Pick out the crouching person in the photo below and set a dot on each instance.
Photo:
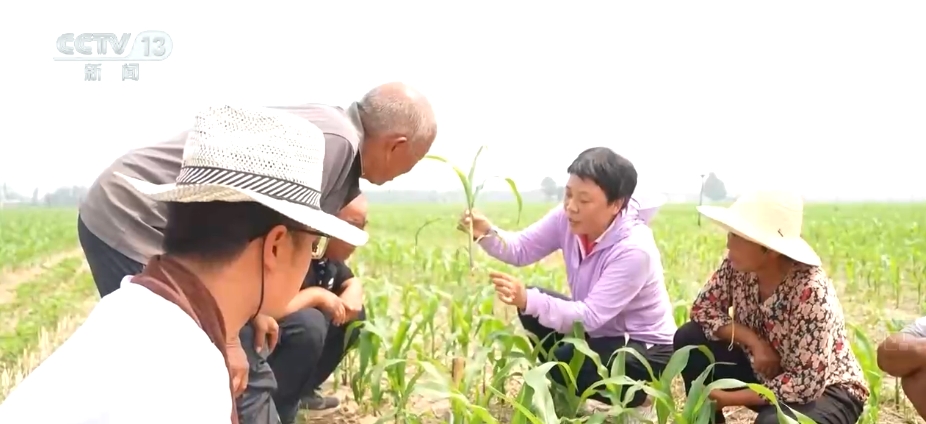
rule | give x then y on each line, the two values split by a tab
154	350
314	329
787	329
903	355
613	268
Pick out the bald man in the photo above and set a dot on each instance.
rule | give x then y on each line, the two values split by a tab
378	138
313	333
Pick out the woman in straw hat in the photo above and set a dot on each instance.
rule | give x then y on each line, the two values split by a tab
772	312
242	217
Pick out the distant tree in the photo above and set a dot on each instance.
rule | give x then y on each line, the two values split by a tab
549	188
65	196
35	197
714	188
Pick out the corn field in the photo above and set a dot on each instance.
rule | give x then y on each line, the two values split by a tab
438	347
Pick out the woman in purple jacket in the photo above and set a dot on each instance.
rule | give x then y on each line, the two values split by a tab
613	268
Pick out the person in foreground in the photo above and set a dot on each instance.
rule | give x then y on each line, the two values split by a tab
315	327
613	268
903	355
241	219
387	132
787	329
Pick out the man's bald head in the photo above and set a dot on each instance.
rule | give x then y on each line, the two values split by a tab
398	130
396	109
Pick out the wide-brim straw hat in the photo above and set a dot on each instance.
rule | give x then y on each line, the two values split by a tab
770	218
238	154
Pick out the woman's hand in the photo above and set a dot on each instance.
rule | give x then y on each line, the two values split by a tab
765	359
481	224
509	289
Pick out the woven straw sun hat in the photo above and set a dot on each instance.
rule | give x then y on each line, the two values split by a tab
238	154
770	218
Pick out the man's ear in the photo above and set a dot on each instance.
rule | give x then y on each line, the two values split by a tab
272	242
398	142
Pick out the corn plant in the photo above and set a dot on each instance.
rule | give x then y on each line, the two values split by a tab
541	401
471	190
866	352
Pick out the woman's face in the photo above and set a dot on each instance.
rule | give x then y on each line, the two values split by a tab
587	207
746	256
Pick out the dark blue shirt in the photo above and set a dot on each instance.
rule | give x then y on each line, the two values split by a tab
327	274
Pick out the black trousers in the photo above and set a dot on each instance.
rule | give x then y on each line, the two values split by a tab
107	265
309	350
836	406
657	356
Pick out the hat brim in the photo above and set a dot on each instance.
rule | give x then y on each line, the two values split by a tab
794	248
310	217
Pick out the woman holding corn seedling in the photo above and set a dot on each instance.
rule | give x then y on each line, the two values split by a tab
903	355
241	219
613	268
317	321
772	312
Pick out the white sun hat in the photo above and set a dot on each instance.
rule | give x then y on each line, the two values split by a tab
239	154
647	204
771	218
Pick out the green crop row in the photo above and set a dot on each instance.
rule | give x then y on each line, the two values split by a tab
30	234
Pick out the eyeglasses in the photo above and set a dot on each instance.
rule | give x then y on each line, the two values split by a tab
309	231
320	248
321	245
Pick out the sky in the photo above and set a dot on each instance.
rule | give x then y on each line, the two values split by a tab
827	98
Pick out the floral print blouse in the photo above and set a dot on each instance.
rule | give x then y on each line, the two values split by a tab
802	320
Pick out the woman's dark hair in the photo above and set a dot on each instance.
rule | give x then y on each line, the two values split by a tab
611	172
217	232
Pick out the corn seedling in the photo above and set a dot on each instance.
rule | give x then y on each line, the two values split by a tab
471	190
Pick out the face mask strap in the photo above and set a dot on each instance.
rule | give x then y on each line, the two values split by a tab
260	303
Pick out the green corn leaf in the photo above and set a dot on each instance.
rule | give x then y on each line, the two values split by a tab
523	414
514	190
772	399
422	227
582	346
618	364
677	363
698	395
467	187
472	168
542	401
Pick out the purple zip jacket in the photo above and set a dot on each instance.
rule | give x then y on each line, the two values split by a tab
618	289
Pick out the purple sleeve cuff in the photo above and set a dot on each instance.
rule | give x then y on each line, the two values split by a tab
534	297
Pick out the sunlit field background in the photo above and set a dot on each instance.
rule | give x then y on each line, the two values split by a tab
437	344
